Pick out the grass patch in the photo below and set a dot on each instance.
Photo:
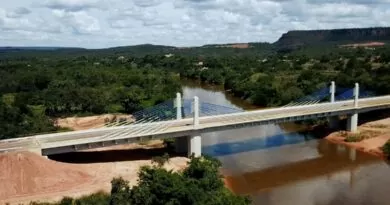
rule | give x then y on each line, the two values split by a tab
169	143
386	149
379	126
356	137
161	160
353	138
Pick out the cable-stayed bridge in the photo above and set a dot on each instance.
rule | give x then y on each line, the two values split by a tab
186	120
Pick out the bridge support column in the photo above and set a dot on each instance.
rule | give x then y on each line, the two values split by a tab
195	141
352	121
195	146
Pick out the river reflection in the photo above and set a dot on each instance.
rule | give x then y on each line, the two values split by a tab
277	165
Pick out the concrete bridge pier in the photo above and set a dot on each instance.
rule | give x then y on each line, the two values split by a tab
352	120
195	142
195	145
188	144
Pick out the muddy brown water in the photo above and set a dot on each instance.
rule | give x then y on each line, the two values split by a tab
281	165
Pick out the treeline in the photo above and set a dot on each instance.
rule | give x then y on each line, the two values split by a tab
198	184
35	90
279	79
44	87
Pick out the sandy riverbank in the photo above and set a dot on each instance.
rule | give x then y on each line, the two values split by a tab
89	122
29	177
375	134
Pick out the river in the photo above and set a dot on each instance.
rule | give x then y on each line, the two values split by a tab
278	165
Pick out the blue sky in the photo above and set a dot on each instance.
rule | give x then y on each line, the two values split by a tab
108	23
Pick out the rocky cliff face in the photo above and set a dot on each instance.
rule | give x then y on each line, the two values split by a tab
295	39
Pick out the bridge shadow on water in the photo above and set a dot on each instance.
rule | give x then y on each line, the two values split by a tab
272	141
114	155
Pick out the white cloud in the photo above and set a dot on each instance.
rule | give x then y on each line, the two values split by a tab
78	22
105	23
18	12
72	5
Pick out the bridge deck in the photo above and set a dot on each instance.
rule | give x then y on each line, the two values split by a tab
176	128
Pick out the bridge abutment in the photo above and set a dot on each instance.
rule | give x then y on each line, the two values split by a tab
38	151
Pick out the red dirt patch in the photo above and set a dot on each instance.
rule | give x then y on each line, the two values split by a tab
82	123
26	173
237	45
369	44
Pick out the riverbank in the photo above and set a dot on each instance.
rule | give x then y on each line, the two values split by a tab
370	137
29	177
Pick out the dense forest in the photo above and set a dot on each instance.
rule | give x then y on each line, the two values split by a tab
35	90
200	183
38	86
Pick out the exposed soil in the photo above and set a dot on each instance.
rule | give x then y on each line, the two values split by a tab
369	44
29	177
375	135
237	45
26	173
82	123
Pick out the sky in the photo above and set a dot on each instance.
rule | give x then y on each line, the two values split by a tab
109	23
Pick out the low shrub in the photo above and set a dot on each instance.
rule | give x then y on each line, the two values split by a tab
353	138
169	143
386	149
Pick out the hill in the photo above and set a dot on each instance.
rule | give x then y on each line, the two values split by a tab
290	41
299	38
